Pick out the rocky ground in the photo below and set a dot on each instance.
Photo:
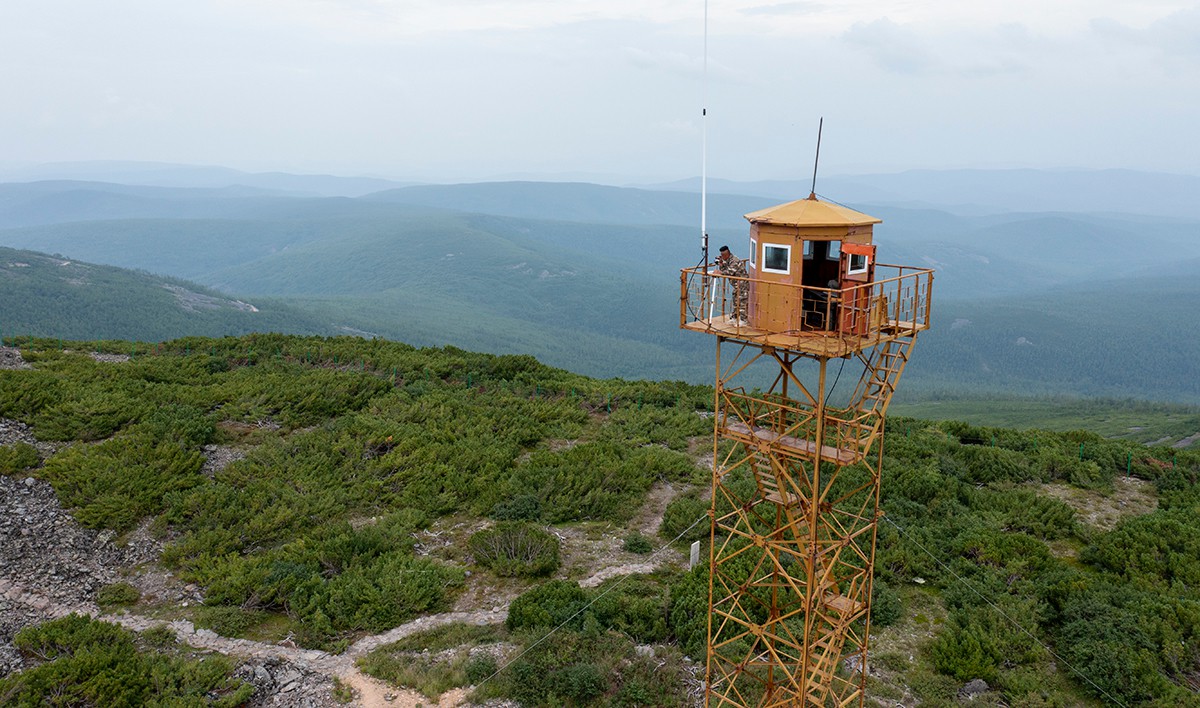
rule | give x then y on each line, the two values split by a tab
50	566
10	358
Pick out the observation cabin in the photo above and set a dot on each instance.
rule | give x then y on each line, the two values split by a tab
812	285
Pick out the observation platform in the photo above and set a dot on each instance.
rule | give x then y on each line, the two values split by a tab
821	322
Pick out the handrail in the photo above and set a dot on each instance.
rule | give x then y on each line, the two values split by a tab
899	302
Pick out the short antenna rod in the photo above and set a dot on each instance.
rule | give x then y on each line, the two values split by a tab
813	192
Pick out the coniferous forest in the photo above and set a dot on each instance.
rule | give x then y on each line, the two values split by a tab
375	483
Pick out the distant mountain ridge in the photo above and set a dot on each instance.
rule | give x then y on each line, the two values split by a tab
161	174
586	277
991	191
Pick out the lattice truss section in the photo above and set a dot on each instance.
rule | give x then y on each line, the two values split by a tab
795	502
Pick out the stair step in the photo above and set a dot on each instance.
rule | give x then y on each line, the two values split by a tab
841	604
776	497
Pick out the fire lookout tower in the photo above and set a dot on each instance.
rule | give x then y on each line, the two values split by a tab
796	468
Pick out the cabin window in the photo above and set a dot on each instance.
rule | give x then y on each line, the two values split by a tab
776	258
835	251
858	264
808	250
753	253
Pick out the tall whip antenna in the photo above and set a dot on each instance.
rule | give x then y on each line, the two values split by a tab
813	192
704	147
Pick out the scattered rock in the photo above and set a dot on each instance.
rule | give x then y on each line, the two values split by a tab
281	683
218	457
14	431
973	688
10	358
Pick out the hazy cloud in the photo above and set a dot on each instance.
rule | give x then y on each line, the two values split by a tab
892	46
1176	36
786	8
470	88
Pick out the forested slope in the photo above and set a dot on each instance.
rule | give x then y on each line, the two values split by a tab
52	296
586	276
373	482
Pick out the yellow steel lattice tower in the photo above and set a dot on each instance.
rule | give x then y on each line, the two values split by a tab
796	469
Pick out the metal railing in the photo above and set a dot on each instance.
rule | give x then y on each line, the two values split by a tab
898	300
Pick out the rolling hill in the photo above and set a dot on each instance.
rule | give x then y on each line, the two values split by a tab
48	296
586	276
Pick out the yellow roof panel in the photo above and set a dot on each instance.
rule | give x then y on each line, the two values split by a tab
810	212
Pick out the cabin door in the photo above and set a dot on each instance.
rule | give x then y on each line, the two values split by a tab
856	273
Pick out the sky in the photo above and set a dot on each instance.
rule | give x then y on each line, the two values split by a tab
448	90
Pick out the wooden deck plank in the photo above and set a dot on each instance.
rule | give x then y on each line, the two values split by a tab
842	456
818	343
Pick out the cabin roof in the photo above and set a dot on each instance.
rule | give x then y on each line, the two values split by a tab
810	212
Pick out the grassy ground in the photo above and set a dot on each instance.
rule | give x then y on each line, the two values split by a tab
1150	423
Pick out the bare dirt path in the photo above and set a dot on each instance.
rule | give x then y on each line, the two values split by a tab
51	567
370	692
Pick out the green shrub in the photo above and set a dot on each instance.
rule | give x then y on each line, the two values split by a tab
994	464
594	481
88	662
228	621
515	548
17	458
886	607
159	636
688	612
547	606
637	543
579	683
480	667
680	515
523	507
634	605
94	414
1036	514
961	653
187	425
117	595
117	482
24	394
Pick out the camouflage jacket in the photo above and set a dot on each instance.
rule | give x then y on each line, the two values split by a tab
734	266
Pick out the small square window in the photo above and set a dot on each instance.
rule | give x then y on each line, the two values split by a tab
858	264
835	251
776	259
808	250
753	253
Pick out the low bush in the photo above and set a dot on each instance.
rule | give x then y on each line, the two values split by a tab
637	543
228	621
117	595
523	507
681	517
547	606
116	483
515	548
886	607
17	458
80	661
480	667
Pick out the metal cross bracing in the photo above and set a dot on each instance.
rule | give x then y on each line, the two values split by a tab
795	504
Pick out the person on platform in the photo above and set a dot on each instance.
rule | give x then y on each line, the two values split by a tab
728	265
